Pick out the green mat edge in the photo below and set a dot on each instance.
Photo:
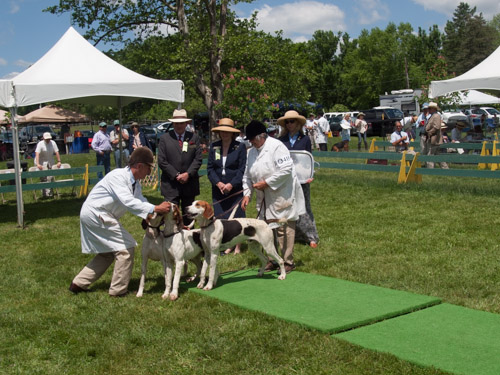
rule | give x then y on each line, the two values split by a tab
433	302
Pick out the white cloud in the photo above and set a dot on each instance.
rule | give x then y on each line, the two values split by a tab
10	75
300	19
370	11
487	7
14	7
22	63
3	62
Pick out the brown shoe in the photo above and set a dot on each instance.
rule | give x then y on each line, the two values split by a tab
271	266
76	289
120	295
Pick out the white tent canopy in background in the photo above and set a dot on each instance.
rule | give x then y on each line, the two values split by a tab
474	97
75	70
485	75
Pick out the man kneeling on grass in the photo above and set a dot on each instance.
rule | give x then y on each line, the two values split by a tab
101	232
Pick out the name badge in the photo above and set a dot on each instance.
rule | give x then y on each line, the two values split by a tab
185	147
217	154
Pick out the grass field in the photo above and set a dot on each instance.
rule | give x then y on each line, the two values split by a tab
437	238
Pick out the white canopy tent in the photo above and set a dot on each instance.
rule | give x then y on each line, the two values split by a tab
474	97
74	70
485	75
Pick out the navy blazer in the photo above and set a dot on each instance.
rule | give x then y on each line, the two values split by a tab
143	139
235	164
303	142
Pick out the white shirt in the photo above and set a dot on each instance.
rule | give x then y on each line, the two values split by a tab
396	136
46	151
109	200
361	125
322	127
114	135
283	199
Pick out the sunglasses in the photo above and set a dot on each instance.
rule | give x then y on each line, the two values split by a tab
289	121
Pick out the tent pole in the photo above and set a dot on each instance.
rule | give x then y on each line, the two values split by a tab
121	130
17	166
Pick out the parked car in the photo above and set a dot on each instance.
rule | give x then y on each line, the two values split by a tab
450	117
34	133
491	113
335	123
152	135
164	126
381	120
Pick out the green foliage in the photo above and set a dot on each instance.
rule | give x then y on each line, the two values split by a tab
439	72
245	97
468	40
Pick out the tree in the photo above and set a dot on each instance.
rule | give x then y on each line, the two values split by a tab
495	24
468	40
202	26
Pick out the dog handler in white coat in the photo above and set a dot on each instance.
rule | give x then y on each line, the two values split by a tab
101	231
270	171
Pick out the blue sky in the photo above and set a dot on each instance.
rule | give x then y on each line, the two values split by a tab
26	32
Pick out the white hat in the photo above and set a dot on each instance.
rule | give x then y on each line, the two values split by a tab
180	115
47	135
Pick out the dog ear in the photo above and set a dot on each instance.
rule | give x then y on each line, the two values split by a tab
177	215
144	224
209	211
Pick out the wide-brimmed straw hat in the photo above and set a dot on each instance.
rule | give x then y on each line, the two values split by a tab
291	115
360	114
461	124
443	125
433	105
180	115
226	125
343	125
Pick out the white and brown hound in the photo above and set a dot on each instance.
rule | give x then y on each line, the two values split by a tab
156	245
218	234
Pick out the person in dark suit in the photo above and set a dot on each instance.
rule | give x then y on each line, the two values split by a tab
179	158
226	165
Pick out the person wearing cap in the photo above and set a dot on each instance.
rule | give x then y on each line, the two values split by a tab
294	139
280	201
102	233
362	127
456	132
102	147
433	132
114	138
44	159
420	129
179	158
138	138
226	165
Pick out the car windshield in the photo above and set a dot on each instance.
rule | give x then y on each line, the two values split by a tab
43	129
394	113
148	130
493	111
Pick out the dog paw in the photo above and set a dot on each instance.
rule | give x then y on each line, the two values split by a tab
208	287
200	285
173	297
282	277
189	279
164	296
138	294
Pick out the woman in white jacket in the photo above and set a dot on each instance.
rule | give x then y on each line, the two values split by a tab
270	171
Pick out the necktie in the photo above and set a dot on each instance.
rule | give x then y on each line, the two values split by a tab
180	141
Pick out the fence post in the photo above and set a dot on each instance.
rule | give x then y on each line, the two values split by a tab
484	152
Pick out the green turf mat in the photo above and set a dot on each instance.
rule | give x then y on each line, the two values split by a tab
318	302
452	338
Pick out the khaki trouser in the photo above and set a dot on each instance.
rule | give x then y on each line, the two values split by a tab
124	262
286	239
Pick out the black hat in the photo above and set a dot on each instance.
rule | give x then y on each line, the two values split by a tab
254	129
141	155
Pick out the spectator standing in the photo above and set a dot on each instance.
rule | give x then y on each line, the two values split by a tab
311	129
226	166
137	138
322	129
102	147
179	158
409	125
345	134
101	231
433	133
270	171
362	128
294	139
421	121
114	138
44	157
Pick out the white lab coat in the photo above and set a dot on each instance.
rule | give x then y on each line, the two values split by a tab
283	199
109	200
322	127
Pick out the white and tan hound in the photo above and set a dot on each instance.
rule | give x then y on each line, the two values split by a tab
218	235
